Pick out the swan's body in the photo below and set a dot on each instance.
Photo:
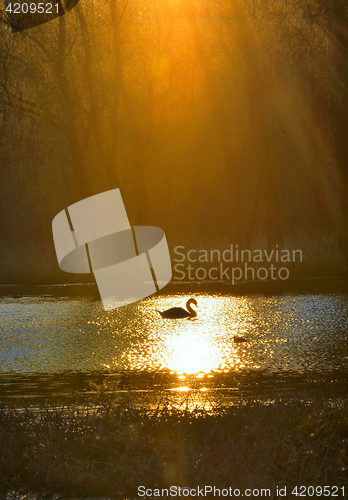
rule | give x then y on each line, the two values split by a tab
239	340
179	312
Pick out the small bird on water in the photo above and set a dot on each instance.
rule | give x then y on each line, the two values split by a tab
239	340
179	312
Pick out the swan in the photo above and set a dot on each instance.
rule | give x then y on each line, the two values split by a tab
179	312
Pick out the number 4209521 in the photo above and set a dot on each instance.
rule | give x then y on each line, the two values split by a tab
32	8
310	491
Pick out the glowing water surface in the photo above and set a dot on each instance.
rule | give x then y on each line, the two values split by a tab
286	333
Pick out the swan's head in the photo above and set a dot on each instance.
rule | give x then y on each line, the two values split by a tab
191	301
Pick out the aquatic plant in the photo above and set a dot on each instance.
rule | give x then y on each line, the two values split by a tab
112	449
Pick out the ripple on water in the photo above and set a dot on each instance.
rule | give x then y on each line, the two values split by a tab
286	333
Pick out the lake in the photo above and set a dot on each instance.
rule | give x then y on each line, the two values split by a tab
57	344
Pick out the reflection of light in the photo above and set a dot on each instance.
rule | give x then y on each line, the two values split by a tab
196	346
192	352
180	389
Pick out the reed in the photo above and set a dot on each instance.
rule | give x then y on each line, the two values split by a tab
111	449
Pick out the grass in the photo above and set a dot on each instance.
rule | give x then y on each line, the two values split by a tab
113	449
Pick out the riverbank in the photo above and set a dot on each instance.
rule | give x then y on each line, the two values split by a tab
111	450
310	285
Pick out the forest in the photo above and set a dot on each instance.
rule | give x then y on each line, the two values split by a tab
221	121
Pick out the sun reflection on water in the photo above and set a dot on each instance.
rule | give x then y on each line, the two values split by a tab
191	352
288	334
194	346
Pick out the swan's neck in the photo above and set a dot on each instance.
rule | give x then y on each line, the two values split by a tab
190	310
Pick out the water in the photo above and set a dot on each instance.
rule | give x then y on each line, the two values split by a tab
63	343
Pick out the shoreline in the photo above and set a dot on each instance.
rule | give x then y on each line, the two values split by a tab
112	451
147	389
310	285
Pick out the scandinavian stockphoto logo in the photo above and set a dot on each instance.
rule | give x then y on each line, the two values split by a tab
94	235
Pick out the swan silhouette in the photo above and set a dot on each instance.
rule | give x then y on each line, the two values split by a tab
179	312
